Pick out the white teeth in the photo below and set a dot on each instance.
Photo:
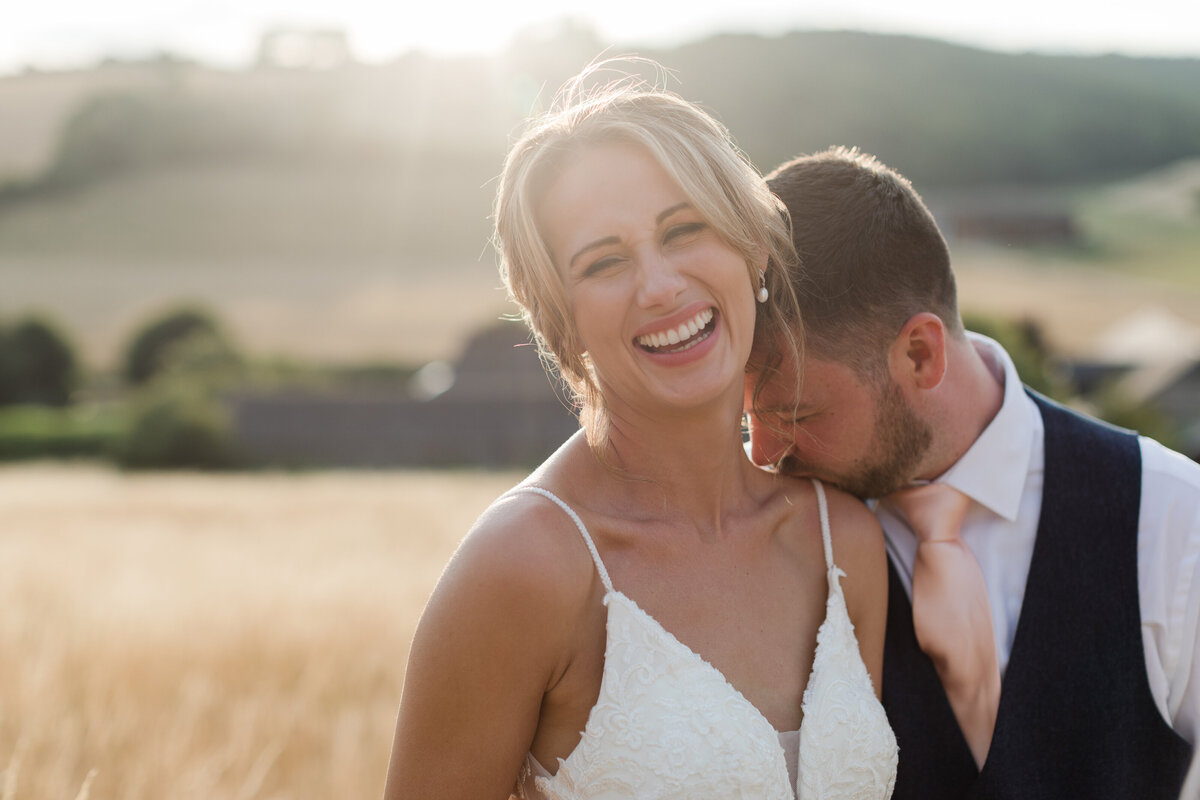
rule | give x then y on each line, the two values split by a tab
682	333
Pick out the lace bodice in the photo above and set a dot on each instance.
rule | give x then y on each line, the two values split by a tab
667	724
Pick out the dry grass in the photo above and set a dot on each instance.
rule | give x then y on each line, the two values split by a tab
358	313
313	263
346	313
213	636
361	262
1076	304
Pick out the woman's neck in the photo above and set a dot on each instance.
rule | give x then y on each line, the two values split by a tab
691	466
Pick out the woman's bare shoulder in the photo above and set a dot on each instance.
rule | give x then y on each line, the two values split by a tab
852	524
854	532
524	545
858	546
499	630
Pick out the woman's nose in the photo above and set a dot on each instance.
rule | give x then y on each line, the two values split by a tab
661	282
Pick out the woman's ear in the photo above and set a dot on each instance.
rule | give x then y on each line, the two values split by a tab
756	265
917	357
759	256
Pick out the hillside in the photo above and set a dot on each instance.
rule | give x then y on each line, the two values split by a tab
951	114
343	214
947	114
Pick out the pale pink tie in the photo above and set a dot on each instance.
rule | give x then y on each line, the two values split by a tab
951	614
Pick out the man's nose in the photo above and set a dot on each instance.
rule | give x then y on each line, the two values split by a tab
767	446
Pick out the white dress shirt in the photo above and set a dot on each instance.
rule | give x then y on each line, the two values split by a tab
1002	473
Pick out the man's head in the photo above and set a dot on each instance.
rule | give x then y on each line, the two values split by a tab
878	302
832	424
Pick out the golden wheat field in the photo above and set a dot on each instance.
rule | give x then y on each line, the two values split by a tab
213	636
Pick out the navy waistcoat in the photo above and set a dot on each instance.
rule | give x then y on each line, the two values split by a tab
1076	717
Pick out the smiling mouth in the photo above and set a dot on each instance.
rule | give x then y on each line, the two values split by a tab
682	337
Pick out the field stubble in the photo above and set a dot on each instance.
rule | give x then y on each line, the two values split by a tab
195	636
369	263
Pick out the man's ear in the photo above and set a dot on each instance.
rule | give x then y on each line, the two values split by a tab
917	357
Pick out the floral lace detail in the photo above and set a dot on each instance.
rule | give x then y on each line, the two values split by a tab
847	748
669	726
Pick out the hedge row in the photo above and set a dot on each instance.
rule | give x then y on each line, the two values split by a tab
49	432
173	427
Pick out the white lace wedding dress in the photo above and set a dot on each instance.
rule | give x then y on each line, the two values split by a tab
668	724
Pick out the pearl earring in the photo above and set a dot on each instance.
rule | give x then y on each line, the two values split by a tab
763	294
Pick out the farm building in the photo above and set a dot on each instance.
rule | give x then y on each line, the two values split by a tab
495	407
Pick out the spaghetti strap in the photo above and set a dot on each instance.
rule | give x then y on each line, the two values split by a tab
825	535
587	539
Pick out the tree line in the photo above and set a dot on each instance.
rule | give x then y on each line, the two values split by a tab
165	411
168	408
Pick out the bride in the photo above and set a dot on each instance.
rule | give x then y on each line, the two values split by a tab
648	615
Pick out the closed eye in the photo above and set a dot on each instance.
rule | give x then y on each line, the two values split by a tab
677	232
785	421
601	264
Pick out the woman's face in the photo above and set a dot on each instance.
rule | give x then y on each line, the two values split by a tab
661	303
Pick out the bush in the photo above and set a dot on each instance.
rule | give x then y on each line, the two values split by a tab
177	424
37	365
1027	347
1112	405
150	351
41	432
181	363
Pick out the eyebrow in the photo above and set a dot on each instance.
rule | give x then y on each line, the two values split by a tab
677	207
607	240
790	410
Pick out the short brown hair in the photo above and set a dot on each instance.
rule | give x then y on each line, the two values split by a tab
870	253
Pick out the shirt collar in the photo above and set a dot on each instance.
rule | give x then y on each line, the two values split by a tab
985	472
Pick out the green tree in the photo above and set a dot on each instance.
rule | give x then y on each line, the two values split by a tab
1026	346
37	364
179	364
177	423
150	351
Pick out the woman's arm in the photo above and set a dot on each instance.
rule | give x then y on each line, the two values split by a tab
493	637
858	549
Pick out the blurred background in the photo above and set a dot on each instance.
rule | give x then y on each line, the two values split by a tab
263	230
252	239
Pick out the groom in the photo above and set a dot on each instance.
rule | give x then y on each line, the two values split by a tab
1073	580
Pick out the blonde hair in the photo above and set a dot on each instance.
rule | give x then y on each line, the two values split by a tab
700	156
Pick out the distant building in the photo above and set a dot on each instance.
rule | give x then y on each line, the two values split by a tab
295	48
501	410
1004	215
1179	399
1153	359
